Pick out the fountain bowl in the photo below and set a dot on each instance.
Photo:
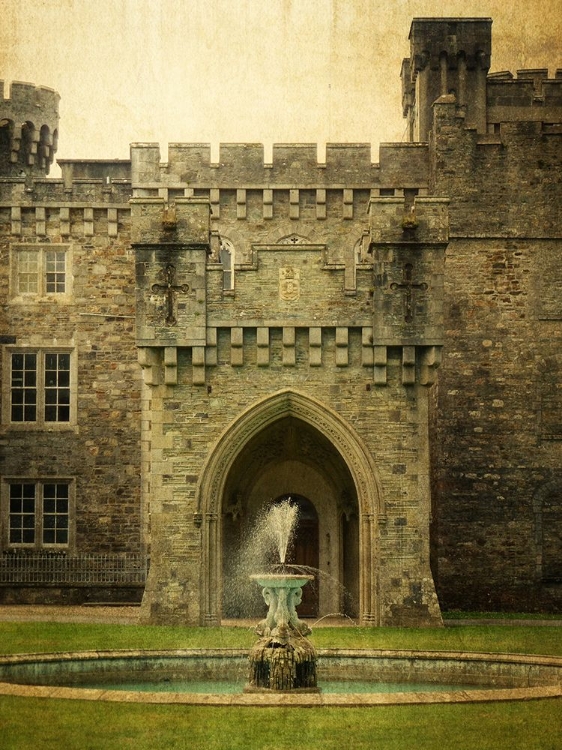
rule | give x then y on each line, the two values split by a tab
281	580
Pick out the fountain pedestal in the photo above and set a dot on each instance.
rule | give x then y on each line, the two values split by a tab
283	658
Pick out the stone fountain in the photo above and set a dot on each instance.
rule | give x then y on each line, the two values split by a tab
283	658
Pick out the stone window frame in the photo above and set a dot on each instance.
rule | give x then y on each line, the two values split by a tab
40	423
39	514
41	293
227	250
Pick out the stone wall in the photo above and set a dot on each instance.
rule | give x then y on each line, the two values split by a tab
99	450
344	299
497	434
315	344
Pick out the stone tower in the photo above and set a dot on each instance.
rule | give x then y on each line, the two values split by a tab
28	130
448	56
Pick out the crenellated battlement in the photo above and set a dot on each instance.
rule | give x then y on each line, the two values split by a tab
22	94
531	88
27	191
244	164
29	121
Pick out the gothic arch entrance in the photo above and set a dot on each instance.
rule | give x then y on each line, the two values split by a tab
290	444
289	458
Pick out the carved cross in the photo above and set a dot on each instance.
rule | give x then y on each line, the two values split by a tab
408	285
169	289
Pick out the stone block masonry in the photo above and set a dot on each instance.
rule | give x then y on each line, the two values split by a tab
287	332
378	340
91	316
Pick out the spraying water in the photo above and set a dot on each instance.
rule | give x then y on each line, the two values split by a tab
264	547
281	522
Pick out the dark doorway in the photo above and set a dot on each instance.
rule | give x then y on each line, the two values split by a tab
304	551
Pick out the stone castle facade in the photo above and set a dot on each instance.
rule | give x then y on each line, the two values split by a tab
185	343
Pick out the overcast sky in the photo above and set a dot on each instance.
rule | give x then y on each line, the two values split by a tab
267	71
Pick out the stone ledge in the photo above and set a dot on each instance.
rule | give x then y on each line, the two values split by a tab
350	700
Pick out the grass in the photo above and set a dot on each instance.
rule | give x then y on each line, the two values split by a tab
458	615
50	723
37	637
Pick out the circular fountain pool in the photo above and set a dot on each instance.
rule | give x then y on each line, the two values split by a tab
345	677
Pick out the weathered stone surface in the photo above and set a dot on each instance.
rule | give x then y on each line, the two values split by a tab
381	340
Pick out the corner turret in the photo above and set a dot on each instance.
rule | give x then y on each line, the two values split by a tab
447	56
29	121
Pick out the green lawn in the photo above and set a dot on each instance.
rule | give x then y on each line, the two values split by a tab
35	637
48	723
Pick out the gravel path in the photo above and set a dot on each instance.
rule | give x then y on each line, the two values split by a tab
50	613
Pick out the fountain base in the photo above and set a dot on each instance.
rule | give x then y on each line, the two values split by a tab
282	659
286	666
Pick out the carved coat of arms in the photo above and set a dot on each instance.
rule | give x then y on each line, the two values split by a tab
289	283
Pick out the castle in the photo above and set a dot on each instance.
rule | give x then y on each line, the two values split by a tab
185	343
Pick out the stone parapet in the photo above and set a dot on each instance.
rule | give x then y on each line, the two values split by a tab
403	165
426	221
530	88
155	222
53	191
243	164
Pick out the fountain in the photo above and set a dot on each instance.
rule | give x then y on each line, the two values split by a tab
283	658
283	663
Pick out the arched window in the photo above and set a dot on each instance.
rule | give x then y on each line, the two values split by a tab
27	138
226	256
6	131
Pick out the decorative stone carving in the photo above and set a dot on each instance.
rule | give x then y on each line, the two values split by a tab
289	284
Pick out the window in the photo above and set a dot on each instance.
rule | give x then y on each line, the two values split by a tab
227	259
55	271
40	387
38	514
40	271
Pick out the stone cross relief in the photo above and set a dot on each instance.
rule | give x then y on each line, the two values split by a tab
170	290
407	285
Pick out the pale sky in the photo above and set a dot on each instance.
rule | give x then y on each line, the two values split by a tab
266	71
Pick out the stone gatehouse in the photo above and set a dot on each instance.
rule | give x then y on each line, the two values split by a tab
378	341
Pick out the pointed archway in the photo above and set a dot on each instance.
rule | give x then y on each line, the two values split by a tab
289	459
288	405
